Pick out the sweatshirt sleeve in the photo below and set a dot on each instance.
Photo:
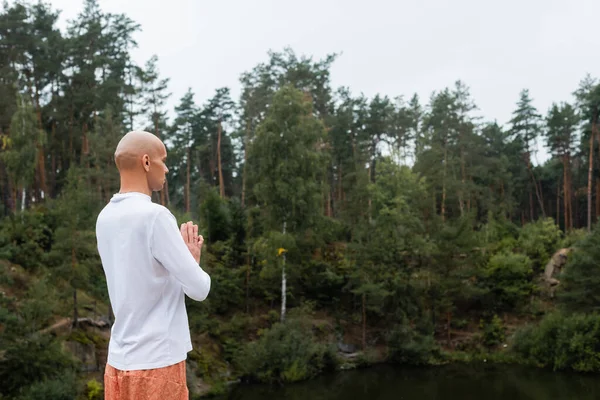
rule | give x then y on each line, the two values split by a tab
170	250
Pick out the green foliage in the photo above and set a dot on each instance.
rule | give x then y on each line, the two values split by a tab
26	238
561	342
286	162
94	390
409	346
508	280
60	388
21	156
32	360
285	353
573	238
215	216
539	240
38	306
579	290
443	227
493	331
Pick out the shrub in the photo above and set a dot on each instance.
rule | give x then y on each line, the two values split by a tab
60	388
538	240
507	278
493	332
33	360
408	346
287	352
562	342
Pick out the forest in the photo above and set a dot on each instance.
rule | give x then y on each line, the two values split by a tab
340	230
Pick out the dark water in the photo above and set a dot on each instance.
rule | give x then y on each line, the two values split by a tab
481	382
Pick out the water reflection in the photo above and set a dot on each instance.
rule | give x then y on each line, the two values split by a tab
448	382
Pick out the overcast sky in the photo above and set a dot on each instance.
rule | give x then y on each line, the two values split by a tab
391	47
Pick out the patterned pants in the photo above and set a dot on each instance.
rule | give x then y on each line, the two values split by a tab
168	383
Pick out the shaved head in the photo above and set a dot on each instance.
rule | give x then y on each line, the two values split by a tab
133	146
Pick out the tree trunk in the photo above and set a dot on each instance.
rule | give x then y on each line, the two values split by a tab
73	265
187	182
530	204
448	324
14	199
557	219
53	163
85	148
283	284
221	183
535	185
248	280
443	210
595	218
565	193
590	169
364	321
40	149
245	172
340	189
570	191
71	155
461	199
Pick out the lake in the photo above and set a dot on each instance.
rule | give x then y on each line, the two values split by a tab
454	382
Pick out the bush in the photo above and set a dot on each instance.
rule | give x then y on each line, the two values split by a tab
32	360
287	352
573	238
94	390
63	388
538	240
26	237
562	342
493	332
507	278
580	279
408	346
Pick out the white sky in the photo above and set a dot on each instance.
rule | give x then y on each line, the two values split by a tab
390	47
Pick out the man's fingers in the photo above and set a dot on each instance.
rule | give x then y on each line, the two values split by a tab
184	233
190	231
200	240
195	233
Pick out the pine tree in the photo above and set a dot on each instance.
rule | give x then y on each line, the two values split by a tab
154	96
184	133
526	129
588	101
561	125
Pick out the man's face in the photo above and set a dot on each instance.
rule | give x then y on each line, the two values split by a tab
158	168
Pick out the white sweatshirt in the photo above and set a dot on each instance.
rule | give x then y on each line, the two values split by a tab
148	269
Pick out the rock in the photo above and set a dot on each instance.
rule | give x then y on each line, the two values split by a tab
346	348
554	268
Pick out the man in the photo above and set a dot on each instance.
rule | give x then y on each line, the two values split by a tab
150	265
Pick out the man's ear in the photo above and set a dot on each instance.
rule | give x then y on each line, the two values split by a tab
146	162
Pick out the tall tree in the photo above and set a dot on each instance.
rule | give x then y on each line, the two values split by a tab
561	122
261	83
215	142
184	128
588	101
154	96
526	129
286	165
21	155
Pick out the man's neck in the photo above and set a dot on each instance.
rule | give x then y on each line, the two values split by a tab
127	187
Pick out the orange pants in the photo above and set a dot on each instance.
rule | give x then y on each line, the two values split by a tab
168	383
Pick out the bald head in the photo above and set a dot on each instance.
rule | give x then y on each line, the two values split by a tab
132	148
